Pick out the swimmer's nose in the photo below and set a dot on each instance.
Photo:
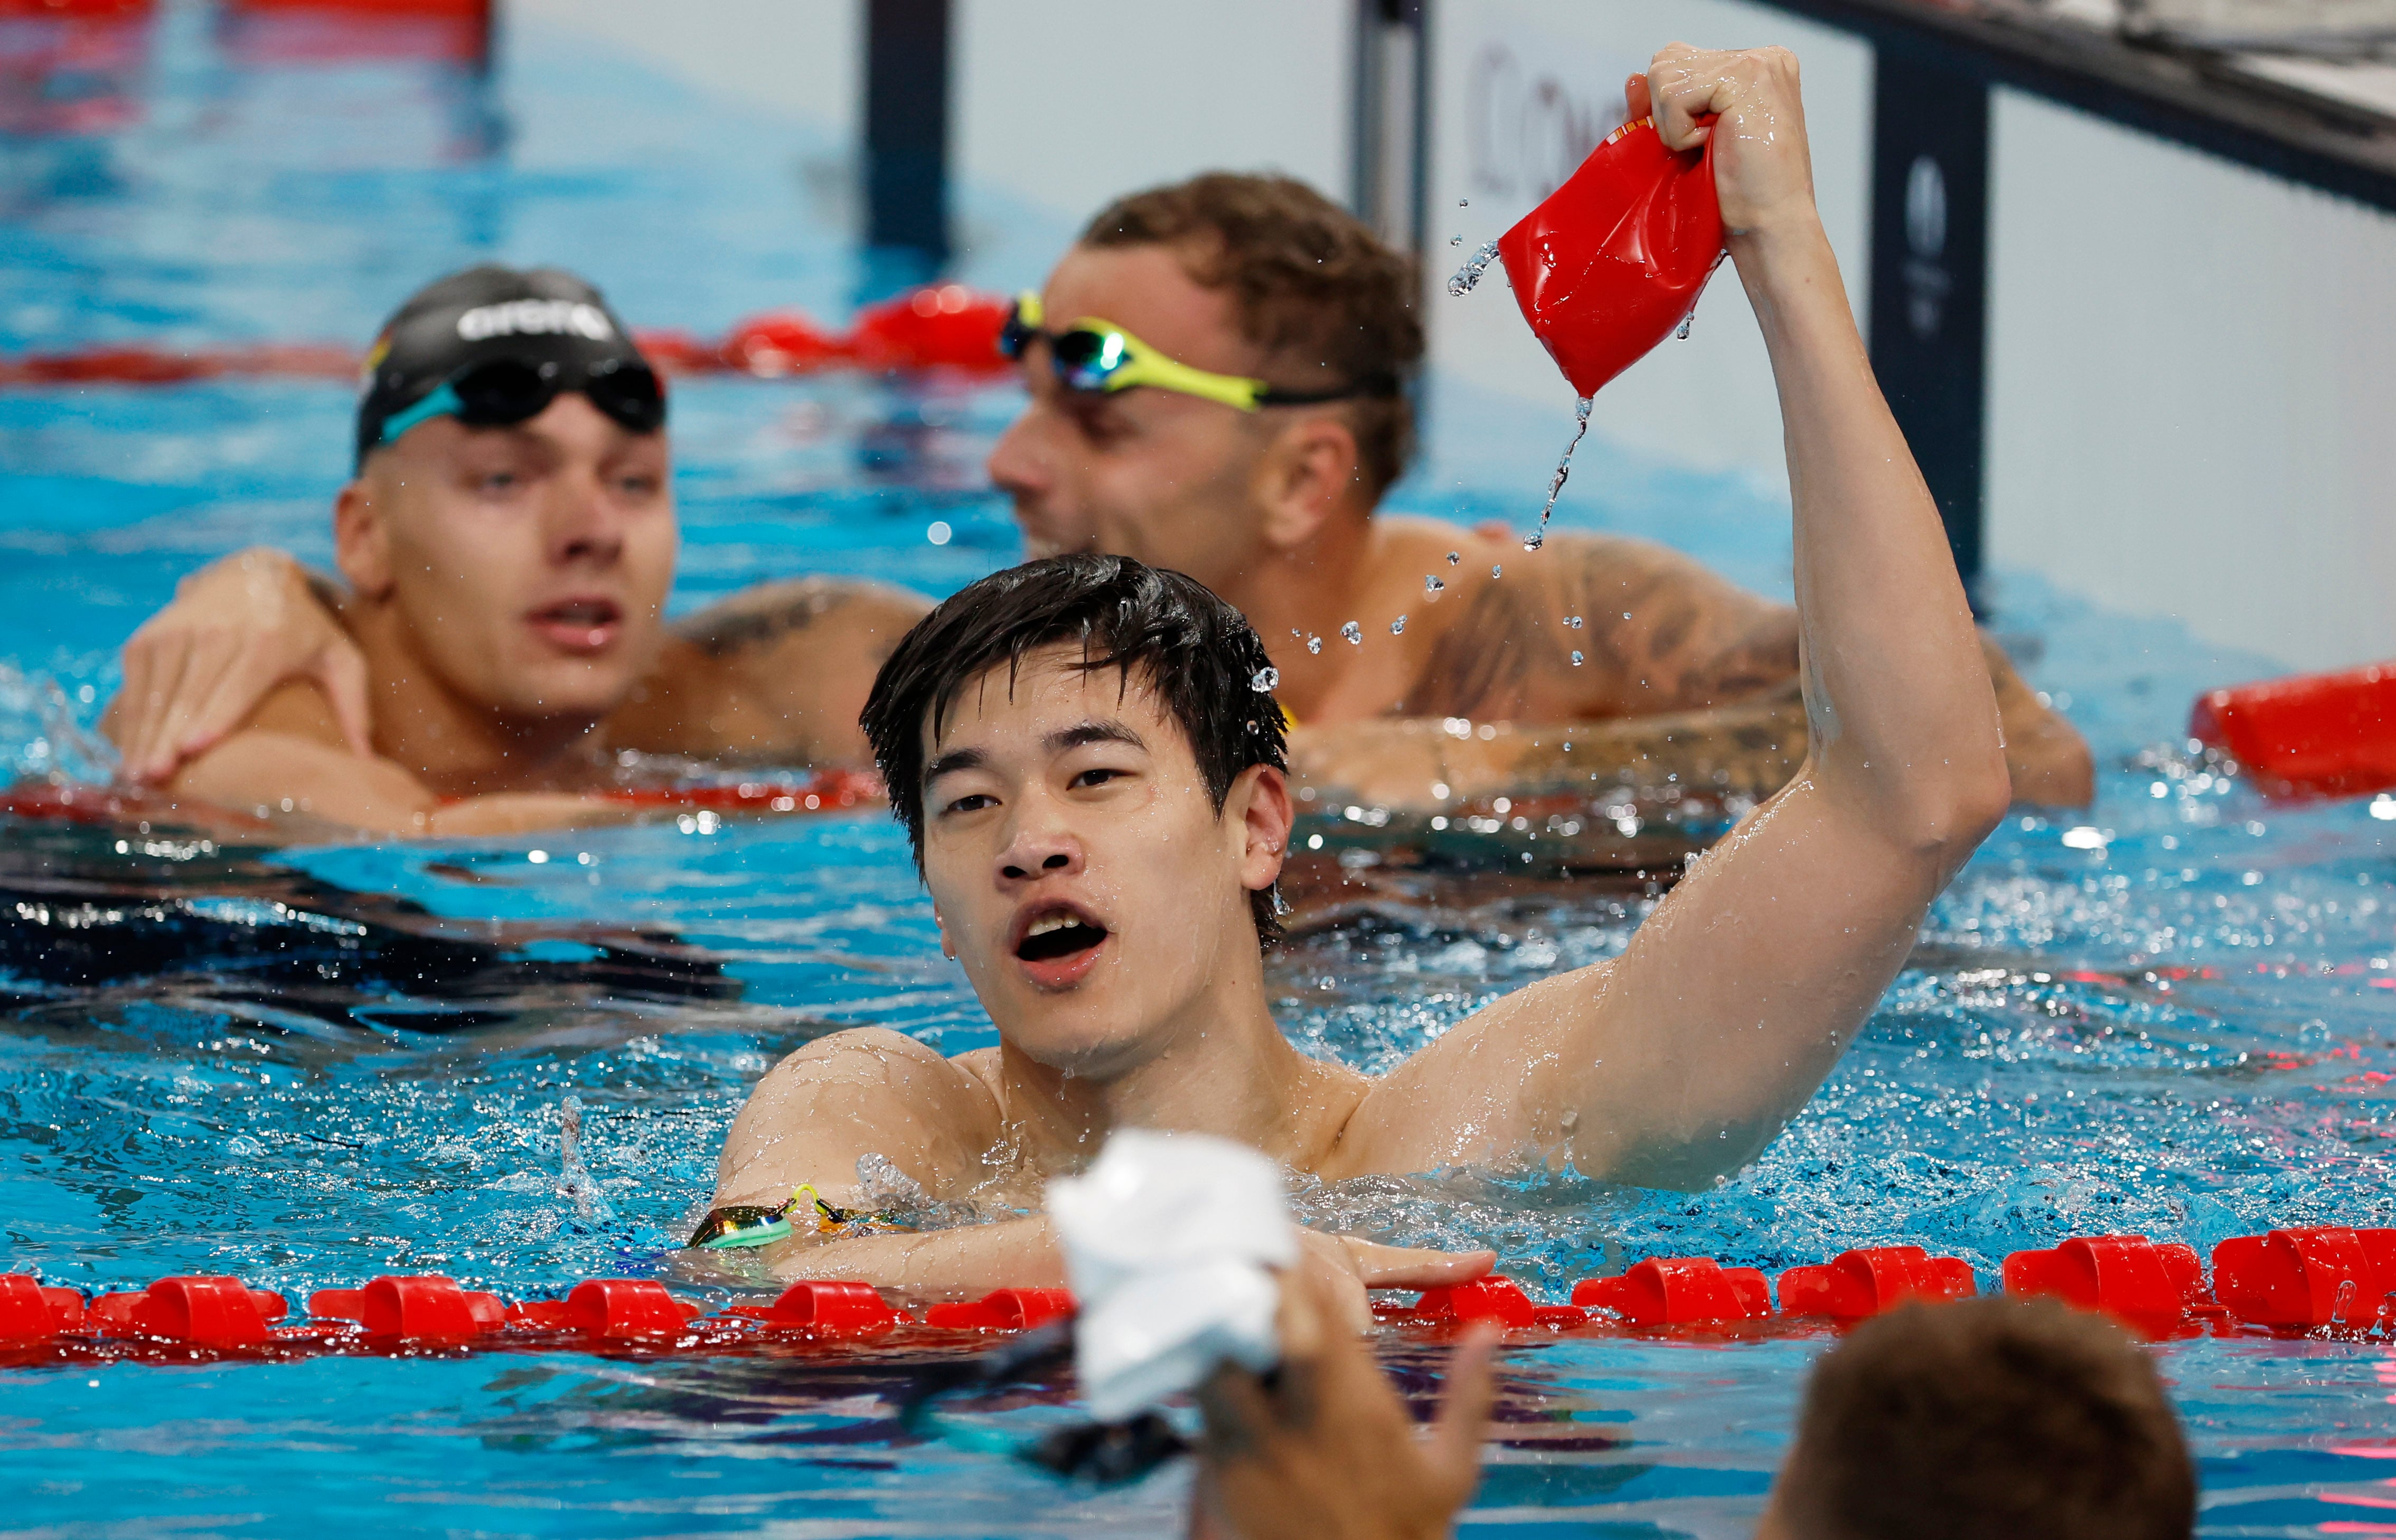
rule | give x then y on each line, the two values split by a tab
1017	464
1039	850
585	524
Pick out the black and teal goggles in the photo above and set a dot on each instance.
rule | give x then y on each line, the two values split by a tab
500	392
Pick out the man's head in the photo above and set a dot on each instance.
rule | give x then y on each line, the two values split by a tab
510	524
1245	275
1088	756
1989	1419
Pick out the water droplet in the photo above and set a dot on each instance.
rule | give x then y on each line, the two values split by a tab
1456	240
1432	584
1576	660
1563	468
1464	203
1453	560
1683	333
1314	643
1398	627
1461	283
1573	620
1265	680
1352	633
1498	572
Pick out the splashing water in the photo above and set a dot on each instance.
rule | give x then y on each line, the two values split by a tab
1432	584
1352	633
1538	536
1461	282
1314	643
1265	680
1398	627
575	1180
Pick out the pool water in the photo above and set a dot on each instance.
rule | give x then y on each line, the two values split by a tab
308	1065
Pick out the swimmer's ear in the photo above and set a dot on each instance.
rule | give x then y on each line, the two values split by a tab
1309	472
1259	799
361	538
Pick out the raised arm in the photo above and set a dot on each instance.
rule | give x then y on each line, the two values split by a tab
1684	1057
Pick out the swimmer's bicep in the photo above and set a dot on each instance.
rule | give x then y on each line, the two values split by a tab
868	1091
1500	1087
267	772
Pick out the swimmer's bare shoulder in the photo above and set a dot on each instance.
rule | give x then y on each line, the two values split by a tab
867	1091
774	674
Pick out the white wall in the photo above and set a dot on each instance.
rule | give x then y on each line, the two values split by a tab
2192	388
802	59
1066	104
1521	90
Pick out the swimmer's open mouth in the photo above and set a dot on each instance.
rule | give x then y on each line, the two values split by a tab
1056	933
587	614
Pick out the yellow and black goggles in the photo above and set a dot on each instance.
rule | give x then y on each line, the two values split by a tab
1098	357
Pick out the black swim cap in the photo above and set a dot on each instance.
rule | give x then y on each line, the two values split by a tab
538	316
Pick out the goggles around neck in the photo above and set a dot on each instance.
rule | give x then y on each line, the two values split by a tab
1096	357
500	392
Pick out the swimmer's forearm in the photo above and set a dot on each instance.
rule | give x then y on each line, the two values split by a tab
951	1264
1904	718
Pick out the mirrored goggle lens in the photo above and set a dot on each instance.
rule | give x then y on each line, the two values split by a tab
741	1226
1088	360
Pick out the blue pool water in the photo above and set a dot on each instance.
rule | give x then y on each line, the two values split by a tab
2167	1016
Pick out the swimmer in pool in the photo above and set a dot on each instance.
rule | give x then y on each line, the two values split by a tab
507	544
1222	282
1089	762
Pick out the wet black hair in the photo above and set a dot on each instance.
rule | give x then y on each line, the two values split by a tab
1198	654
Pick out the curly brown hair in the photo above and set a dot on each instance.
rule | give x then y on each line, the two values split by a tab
1310	283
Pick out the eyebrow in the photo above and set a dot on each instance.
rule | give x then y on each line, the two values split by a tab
1057	742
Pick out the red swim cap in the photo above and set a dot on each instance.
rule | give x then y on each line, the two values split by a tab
1614	261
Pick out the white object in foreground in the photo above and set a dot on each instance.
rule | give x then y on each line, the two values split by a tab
1168	1242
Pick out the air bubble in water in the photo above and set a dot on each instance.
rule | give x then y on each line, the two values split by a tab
1398	627
1352	633
1432	584
1265	680
1461	280
1576	660
1314	643
1538	536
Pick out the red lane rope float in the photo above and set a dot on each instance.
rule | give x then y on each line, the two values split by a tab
2297	1280
2317	735
829	792
946	327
